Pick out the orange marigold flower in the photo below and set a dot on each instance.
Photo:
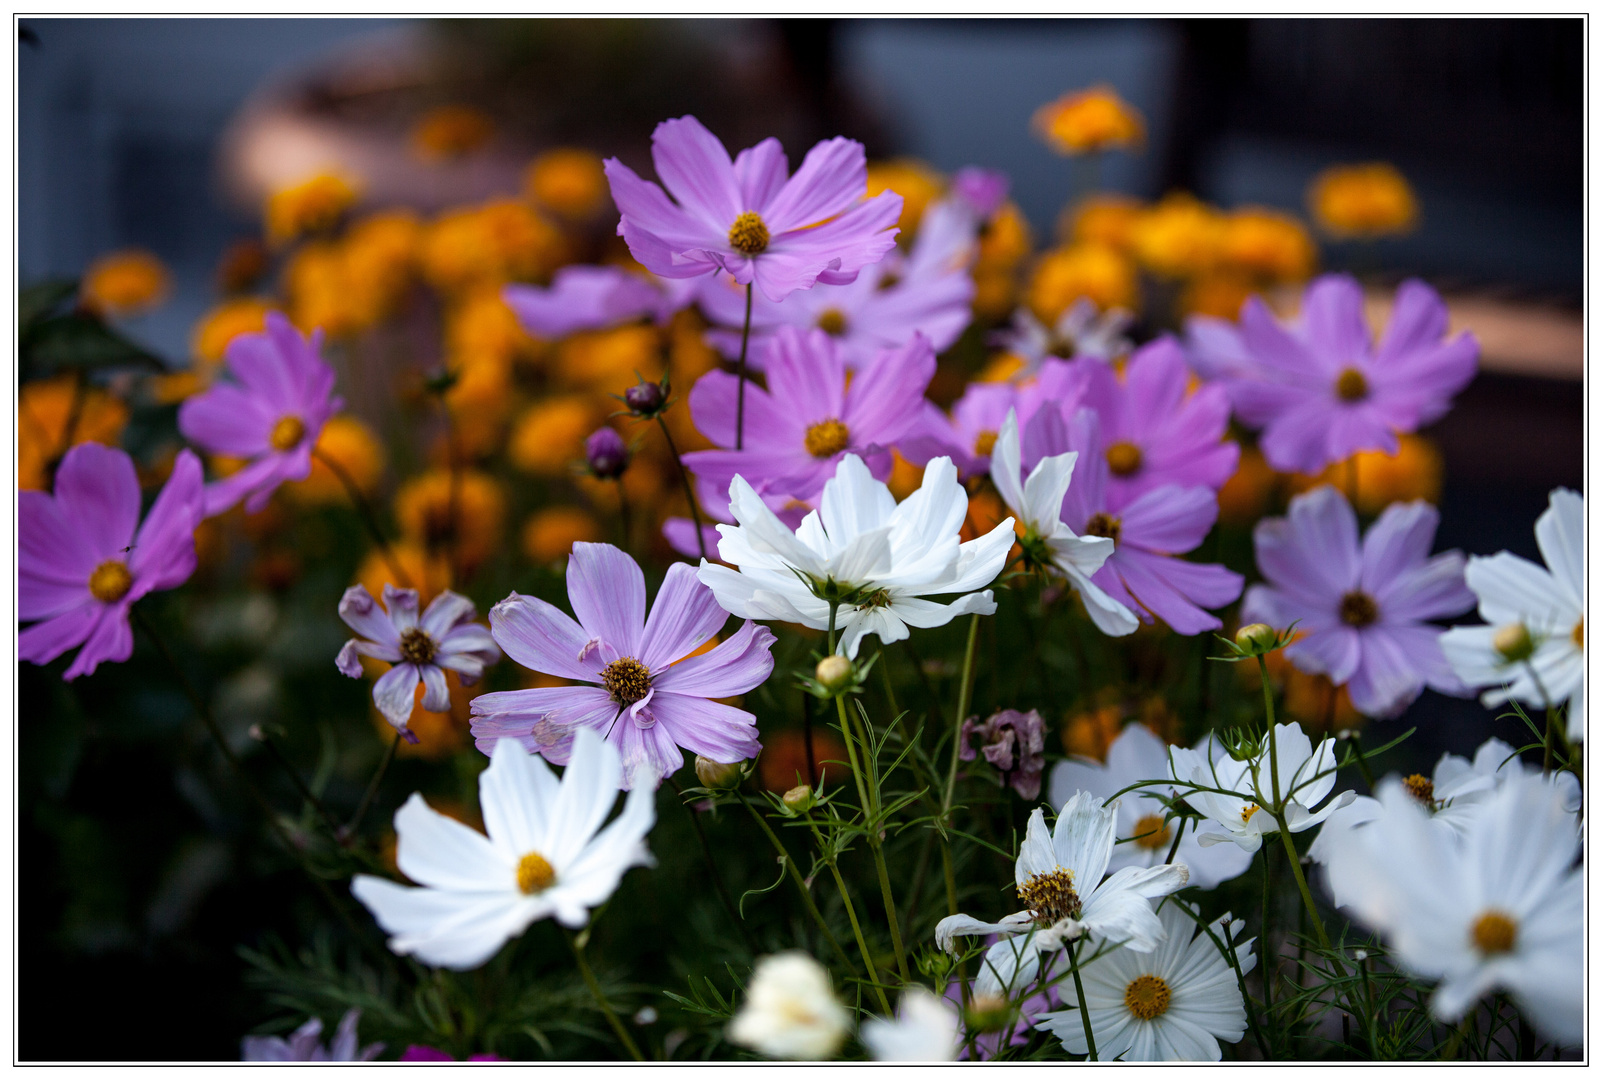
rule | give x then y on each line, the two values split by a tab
450	131
1267	245
567	181
1362	201
226	321
549	435
1006	241
1179	237
1245	495
1217	294
1105	219
607	360
408	566
1085	121
44	409
491	244
125	283
316	204
1064	275
1413	472
550	534
424	506
917	182
355	448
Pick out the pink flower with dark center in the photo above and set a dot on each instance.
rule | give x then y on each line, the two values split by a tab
808	419
648	696
83	557
272	415
749	216
1364	607
420	649
1320	388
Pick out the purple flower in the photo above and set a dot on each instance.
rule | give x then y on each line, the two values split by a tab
445	637
652	696
1322	391
969	434
1152	431
1012	741
982	189
272	415
1363	607
606	454
305	1044
749	216
590	298
81	563
799	429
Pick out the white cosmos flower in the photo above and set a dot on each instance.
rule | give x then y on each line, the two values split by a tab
1144	837
1548	603
1306	777
790	1010
1171	1004
1047	540
1081	331
445	637
542	857
877	558
926	1028
1501	908
1059	876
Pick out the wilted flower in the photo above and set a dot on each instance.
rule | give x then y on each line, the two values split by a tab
1085	121
125	283
542	857
926	1028
746	218
1013	742
305	1044
790	1010
1362	201
83	557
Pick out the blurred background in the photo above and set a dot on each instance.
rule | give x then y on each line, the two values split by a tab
167	134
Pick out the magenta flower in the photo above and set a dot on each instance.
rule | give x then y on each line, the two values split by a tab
1153	432
969	434
272	415
652	696
749	216
984	190
1364	608
445	637
799	429
1322	391
83	557
590	298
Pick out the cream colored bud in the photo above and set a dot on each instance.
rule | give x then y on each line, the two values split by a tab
718	775
799	799
1256	638
1513	642
833	672
988	1012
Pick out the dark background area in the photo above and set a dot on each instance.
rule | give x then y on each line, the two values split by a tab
119	122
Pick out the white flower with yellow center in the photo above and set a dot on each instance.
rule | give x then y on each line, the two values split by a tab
790	1010
1171	1004
543	857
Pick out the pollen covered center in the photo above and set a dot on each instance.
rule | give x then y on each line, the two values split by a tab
1152	832
1124	458
1104	525
287	433
1351	385
1247	811
1358	609
984	444
1577	635
1051	896
416	647
832	321
1494	932
534	874
627	680
1147	996
110	582
827	438
1421	788
749	234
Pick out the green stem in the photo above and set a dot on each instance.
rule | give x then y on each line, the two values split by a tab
875	843
1301	882
856	927
372	787
300	785
600	998
1269	953
712	869
964	696
370	520
795	875
689	492
1079	989
745	344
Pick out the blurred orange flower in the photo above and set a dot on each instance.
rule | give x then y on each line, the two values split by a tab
1179	236
450	131
355	448
316	204
550	534
1085	121
425	504
918	184
45	408
1063	275
1362	201
125	283
567	181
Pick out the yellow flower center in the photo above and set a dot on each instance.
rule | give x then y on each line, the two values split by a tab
749	234
416	647
627	680
1148	996
1577	635
110	582
287	433
1051	896
1351	385
827	438
1358	609
1152	832
1421	788
1247	811
1104	525
984	444
534	874
1123	458
1494	932
832	321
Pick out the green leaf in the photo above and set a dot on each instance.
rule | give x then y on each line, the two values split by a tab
78	341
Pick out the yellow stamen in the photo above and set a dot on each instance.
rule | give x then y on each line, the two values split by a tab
832	321
1051	896
1104	525
110	582
1351	385
287	433
1578	635
1494	932
827	438
984	444
627	680
1152	832
416	647
1247	811
1148	997
1421	788
534	874
1124	458
749	234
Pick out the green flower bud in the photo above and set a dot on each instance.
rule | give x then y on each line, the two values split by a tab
799	799
1513	642
1256	638
833	673
717	775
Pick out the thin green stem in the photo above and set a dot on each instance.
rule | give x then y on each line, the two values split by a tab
689	491
875	843
300	785
600	997
1301	882
851	913
745	344
712	868
372	787
795	875
1079	989
964	695
364	510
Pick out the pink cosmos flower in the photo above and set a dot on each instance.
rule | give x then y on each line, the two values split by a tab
445	637
653	696
1364	607
749	217
982	189
83	557
1152	431
272	415
1321	390
799	429
969	434
592	298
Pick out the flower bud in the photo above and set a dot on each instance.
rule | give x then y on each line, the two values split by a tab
1256	638
1513	642
718	775
643	399
833	672
606	454
988	1012
799	799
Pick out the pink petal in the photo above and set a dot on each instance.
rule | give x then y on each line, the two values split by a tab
695	168
519	714
683	618
164	551
227	419
1333	321
1172	520
1418	322
833	176
735	666
607	591
43	642
111	639
760	173
50	546
97	491
714	406
542	638
883	402
709	728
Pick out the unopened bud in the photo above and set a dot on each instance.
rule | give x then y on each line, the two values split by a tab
718	775
833	672
988	1012
1256	638
606	454
643	399
1513	642
799	799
